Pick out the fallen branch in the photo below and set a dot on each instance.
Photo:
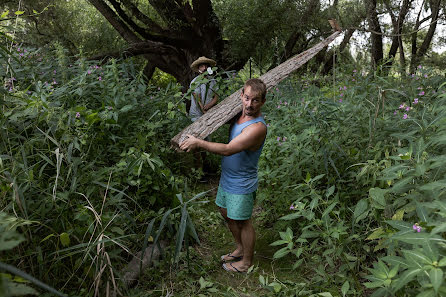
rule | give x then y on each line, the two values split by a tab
231	106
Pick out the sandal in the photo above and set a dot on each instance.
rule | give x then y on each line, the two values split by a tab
233	258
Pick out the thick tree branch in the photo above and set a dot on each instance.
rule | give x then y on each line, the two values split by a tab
113	19
153	27
136	49
129	22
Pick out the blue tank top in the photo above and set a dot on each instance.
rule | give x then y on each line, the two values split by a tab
239	171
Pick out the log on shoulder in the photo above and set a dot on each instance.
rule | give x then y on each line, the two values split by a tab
231	106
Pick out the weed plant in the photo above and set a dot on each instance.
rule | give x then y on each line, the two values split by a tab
352	183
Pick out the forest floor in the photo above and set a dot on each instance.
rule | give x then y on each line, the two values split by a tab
203	274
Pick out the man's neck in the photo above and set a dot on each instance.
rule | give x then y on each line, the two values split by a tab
245	118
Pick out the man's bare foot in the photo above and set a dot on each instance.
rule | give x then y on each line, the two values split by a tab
236	255
239	266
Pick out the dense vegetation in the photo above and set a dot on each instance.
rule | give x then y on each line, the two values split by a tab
351	200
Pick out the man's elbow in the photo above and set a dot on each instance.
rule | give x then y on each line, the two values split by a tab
229	150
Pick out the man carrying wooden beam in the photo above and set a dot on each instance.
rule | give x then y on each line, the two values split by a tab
239	181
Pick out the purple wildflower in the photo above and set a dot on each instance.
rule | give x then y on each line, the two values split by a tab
340	100
99	78
402	106
78	114
415	101
395	112
416	227
405	116
421	93
345	87
89	71
354	70
292	207
407	108
278	138
419	66
425	76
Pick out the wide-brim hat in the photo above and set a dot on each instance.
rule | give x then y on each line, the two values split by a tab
202	60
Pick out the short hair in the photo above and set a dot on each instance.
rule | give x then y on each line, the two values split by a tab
258	86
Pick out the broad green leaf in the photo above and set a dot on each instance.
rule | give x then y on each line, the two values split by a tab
4	14
330	191
15	271
281	253
377	195
442	262
439	229
329	209
418	257
422	214
360	208
393	271
418	238
376	234
19	12
345	287
427	293
9	239
64	239
433	186
279	242
436	277
325	294
262	279
398	216
407	276
298	263
291	216
16	289
400	225
395	260
309	234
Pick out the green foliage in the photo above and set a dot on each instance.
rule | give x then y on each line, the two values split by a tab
370	152
84	155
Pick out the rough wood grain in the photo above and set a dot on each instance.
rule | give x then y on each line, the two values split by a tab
231	106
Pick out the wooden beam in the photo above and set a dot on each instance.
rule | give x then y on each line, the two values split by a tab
231	106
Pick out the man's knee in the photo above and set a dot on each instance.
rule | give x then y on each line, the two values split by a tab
223	212
243	223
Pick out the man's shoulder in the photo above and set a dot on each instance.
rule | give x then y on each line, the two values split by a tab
258	128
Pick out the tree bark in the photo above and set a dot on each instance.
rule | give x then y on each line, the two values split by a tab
231	106
328	64
397	30
311	9
190	29
419	54
376	39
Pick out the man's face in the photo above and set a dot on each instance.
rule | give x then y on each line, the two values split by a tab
251	102
202	68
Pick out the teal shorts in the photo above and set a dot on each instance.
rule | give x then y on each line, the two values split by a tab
238	207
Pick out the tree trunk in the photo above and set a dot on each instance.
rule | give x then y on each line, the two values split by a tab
397	30
231	106
313	6
190	29
376	38
328	65
418	54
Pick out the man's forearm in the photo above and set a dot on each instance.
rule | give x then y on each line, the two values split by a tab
214	147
